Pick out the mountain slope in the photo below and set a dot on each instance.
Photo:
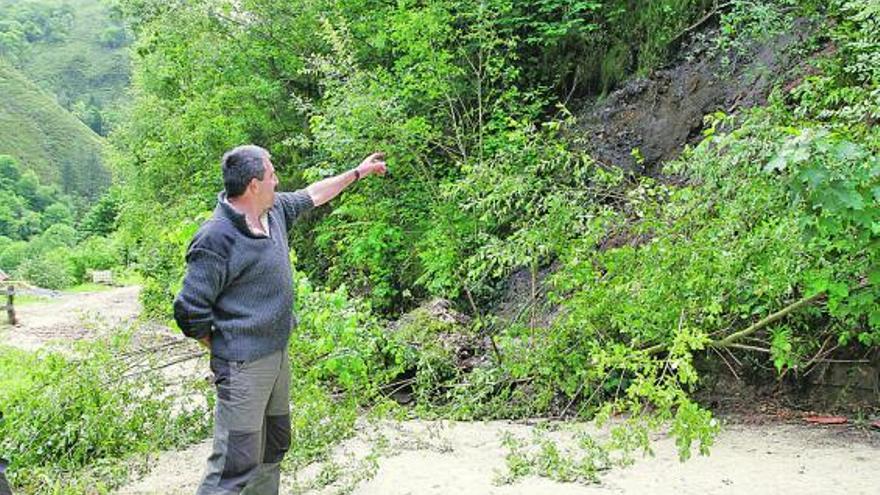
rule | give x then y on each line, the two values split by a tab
85	65
46	138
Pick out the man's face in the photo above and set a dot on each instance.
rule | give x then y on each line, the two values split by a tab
265	192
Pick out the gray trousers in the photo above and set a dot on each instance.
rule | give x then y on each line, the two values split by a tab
251	426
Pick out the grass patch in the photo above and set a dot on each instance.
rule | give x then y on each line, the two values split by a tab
87	287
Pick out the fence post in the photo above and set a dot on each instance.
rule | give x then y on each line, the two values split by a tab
10	309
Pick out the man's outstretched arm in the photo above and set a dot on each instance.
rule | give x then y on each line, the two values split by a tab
327	189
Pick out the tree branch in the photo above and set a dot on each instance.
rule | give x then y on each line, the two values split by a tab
768	320
730	340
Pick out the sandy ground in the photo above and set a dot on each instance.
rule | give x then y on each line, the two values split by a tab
467	459
70	317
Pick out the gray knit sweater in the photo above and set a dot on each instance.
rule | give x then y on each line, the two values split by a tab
238	285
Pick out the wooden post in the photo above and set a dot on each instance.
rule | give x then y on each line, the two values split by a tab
10	309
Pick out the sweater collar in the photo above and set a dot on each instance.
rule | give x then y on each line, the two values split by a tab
235	217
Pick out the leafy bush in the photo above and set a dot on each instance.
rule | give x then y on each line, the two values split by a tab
26	206
57	213
340	359
94	253
48	270
64	418
56	236
12	255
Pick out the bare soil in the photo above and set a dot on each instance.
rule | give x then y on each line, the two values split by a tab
418	457
659	114
70	317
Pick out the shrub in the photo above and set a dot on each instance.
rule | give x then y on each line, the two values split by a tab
48	270
64	418
56	236
12	255
94	253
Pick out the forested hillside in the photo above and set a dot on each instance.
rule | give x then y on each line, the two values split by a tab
75	50
63	73
61	61
594	210
47	139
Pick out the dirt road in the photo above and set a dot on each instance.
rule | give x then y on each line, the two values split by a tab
442	458
70	317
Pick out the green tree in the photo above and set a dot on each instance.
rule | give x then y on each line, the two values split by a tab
57	213
94	253
56	236
10	173
101	218
48	270
13	255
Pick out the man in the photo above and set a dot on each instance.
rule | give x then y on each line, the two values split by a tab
4	485
237	300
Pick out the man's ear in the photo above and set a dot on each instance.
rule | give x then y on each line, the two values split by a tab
252	185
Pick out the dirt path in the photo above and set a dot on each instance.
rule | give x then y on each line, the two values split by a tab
70	317
442	458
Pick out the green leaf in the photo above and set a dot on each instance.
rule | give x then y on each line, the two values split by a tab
776	164
814	176
847	151
850	198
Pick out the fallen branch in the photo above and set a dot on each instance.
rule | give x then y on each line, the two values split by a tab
768	320
398	386
185	358
730	340
746	347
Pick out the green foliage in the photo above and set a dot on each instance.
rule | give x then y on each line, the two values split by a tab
101	218
56	236
57	214
12	254
28	206
545	457
339	350
845	87
48	270
32	22
440	87
339	343
40	215
746	21
94	253
65	419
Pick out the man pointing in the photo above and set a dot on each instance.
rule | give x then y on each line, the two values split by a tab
237	300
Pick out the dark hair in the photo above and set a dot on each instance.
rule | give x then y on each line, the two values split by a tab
240	165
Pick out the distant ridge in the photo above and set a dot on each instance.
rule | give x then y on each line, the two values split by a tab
47	139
